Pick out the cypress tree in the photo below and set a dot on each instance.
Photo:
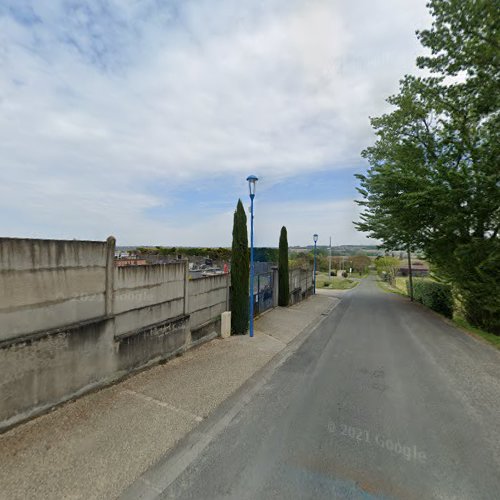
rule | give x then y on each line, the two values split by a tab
283	277
240	263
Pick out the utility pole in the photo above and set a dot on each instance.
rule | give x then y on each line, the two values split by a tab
410	273
330	261
315	237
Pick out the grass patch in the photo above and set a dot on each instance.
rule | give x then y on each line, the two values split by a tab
334	283
400	284
477	332
386	287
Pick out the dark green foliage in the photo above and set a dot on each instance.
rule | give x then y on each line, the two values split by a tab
265	254
434	177
435	296
479	292
360	263
220	253
240	271
283	276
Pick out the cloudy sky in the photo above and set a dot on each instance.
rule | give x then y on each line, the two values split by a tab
142	118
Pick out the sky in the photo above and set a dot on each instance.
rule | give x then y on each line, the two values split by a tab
142	118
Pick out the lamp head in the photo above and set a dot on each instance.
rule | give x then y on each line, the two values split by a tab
252	180
315	238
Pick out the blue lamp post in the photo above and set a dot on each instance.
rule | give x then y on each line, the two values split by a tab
252	180
315	238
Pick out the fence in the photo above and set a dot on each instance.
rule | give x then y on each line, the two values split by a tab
266	288
264	293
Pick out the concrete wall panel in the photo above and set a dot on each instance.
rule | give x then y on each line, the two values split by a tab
20	254
143	276
46	284
207	299
208	283
26	321
43	372
136	319
133	298
39	287
202	316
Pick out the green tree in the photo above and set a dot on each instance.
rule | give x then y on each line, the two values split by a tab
265	254
434	178
387	267
360	263
239	272
283	275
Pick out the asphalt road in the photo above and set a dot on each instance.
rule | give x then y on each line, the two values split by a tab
382	400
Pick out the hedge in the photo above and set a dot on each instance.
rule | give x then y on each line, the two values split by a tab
436	296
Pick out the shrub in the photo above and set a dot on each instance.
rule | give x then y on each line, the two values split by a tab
435	296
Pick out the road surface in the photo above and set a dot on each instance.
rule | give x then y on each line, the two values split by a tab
382	400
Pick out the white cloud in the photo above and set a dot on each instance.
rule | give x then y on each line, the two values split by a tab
333	218
95	104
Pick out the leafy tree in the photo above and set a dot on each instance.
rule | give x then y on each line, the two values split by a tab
387	267
464	40
360	263
283	275
265	254
240	272
434	178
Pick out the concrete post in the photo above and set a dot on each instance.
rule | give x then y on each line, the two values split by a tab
110	274
186	287
188	339
228	290
225	324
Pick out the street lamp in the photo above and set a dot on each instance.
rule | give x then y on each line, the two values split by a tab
252	180
315	238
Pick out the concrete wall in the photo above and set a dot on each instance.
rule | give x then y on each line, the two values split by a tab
40	372
208	299
70	321
147	295
301	284
45	284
